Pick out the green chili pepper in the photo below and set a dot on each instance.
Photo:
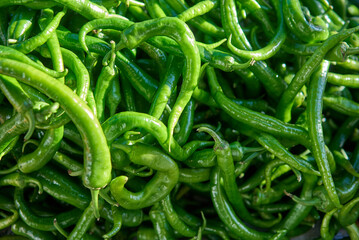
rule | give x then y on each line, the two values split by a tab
302	76
65	219
22	229
20	101
97	160
226	213
165	178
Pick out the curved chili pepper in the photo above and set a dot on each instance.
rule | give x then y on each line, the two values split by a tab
226	213
8	205
86	8
273	46
82	86
273	84
302	76
327	232
117	223
138	32
160	224
276	148
97	163
38	40
107	75
254	119
125	121
296	22
49	144
200	8
189	15
168	83
165	178
349	213
353	231
62	187
185	123
65	219
85	221
20	180
113	97
225	163
22	229
174	219
298	212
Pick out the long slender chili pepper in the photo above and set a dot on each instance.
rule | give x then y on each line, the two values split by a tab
82	86
107	75
174	220
268	51
83	224
20	180
274	146
347	80
342	105
160	224
327	232
8	205
97	162
296	22
11	53
139	32
302	76
273	84
316	90
113	97
225	163
198	9
22	229
252	118
86	8
65	219
43	154
38	40
62	187
226	212
299	211
197	21
166	88
125	121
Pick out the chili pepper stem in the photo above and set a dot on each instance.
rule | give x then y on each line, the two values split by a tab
307	202
10	170
94	196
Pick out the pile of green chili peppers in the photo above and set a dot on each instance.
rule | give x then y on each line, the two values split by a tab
174	119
